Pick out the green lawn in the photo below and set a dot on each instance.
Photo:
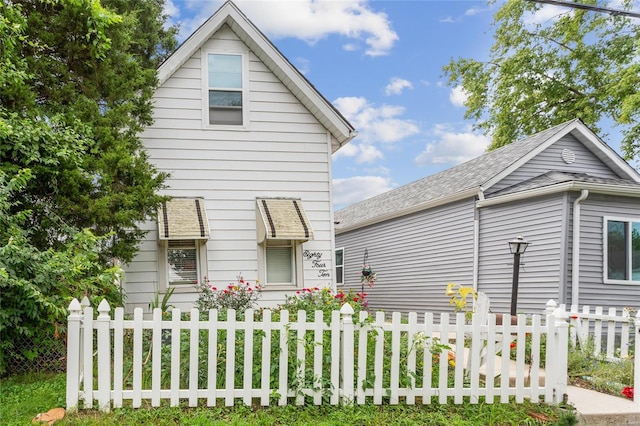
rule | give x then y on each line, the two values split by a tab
22	397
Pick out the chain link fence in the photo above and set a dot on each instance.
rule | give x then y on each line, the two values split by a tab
29	355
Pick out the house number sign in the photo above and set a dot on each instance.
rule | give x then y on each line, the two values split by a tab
315	257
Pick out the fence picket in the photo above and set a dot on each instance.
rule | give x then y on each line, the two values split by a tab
104	356
230	368
212	358
284	353
118	357
156	358
194	343
396	320
491	359
318	363
427	373
443	366
175	357
335	355
265	378
248	356
137	358
378	357
363	332
459	360
73	354
87	353
301	356
505	349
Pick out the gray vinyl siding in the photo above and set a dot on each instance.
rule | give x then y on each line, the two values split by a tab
593	290
541	222
551	159
281	151
414	256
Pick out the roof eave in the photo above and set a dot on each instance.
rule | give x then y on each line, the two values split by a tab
461	195
596	188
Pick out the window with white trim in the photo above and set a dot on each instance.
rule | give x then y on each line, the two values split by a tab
225	89
182	262
280	259
340	266
622	250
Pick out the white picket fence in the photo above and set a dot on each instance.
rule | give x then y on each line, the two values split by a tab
612	335
340	361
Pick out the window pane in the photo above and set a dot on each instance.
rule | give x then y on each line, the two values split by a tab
635	251
339	270
183	262
339	254
219	98
279	265
225	116
616	250
225	71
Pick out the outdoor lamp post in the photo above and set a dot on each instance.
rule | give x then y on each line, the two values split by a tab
517	247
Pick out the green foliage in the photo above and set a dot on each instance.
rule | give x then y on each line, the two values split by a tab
596	372
578	64
75	184
316	299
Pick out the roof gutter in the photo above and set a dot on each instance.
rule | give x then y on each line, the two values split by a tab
467	193
575	256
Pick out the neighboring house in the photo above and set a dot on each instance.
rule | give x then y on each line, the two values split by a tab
573	198
247	141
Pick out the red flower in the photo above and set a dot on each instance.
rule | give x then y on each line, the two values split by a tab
355	299
512	345
628	392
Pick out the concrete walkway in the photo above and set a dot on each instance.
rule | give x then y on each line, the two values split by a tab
599	409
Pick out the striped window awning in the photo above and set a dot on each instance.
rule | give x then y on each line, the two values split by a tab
282	219
183	219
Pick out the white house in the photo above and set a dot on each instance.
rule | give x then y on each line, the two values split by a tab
247	141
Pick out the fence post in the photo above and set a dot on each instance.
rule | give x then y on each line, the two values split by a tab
636	355
347	354
558	378
104	356
73	354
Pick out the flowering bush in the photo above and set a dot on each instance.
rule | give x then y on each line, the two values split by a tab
240	296
316	299
367	275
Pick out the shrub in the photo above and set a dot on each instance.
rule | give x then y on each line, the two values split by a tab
240	296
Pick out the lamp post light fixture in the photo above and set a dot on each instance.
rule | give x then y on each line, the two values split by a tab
517	247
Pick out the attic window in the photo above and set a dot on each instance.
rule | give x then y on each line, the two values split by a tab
225	89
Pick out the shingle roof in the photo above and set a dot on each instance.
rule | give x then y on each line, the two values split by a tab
466	176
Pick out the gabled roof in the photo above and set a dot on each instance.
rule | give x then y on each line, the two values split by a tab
474	177
258	43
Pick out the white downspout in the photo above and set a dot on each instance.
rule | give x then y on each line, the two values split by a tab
575	256
476	241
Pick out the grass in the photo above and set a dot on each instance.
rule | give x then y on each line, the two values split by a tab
22	397
588	371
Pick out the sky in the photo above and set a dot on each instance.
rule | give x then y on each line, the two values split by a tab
380	63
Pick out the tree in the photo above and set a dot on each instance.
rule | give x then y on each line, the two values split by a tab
580	64
91	74
75	182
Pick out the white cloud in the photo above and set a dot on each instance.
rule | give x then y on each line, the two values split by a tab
451	147
545	14
458	96
473	11
448	20
351	190
397	85
363	153
310	20
303	65
376	124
